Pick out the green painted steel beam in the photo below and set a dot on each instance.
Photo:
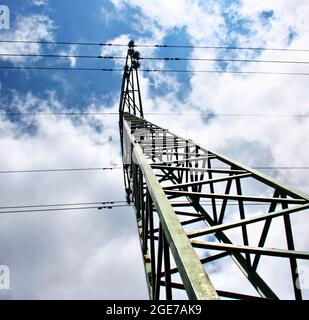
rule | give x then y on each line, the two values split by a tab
176	194
214	170
186	160
247	249
201	182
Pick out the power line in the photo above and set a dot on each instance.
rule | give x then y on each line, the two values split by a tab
151	58
117	168
64	209
226	71
158	70
268	168
59	113
58	170
155	45
61	68
220	47
155	113
224	60
64	43
83	208
99	206
64	56
54	56
281	168
99	203
230	114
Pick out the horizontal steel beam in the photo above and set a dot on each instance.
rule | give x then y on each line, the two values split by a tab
214	170
186	222
201	182
221	293
185	160
234	295
150	140
189	214
173	153
168	144
203	261
255	250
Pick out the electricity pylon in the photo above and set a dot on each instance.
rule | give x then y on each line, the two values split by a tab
198	210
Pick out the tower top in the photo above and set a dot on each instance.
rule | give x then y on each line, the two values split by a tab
130	97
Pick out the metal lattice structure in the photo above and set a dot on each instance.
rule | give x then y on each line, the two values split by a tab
196	208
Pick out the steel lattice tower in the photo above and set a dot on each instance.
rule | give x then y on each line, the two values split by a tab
188	198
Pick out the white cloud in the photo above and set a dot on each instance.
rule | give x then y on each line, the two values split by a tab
277	141
39	2
71	52
106	15
201	22
269	141
46	257
28	28
241	94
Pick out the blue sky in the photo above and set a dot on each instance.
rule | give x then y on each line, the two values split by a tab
43	252
85	21
78	20
82	21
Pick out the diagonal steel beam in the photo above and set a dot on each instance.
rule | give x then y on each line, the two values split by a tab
256	250
175	194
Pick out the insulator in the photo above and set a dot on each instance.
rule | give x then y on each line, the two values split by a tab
136	55
131	44
135	64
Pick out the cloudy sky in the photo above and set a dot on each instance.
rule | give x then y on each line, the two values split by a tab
95	254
